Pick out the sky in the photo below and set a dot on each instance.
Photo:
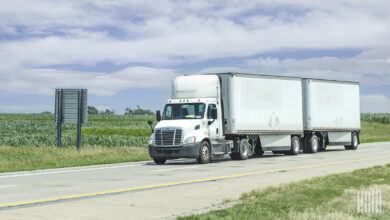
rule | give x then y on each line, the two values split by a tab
127	52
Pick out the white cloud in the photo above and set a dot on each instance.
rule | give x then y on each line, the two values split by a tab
161	33
44	81
374	104
42	33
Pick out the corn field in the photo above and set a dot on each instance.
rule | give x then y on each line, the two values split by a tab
40	130
378	118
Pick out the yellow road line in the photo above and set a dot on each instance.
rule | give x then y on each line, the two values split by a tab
184	182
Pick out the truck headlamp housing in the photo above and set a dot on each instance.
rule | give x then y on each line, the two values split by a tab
190	140
151	140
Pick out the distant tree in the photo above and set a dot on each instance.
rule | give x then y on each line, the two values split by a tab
128	111
92	110
46	113
138	111
107	112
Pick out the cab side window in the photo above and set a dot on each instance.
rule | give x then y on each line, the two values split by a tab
209	111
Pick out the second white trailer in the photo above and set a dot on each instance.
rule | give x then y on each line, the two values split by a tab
331	114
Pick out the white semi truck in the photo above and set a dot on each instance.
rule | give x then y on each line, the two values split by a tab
212	115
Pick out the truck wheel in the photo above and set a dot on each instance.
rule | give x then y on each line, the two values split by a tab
313	144
244	149
204	153
159	161
295	145
354	142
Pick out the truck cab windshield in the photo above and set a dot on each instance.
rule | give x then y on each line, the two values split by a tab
184	111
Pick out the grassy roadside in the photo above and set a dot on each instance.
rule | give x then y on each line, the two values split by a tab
329	197
374	132
34	158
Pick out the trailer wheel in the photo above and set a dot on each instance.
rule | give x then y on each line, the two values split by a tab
312	144
295	145
354	142
204	153
159	161
244	149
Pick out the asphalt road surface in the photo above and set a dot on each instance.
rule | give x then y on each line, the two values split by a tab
144	190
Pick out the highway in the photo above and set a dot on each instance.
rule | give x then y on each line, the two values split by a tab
143	190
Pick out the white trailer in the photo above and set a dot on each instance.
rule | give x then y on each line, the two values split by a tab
209	116
331	114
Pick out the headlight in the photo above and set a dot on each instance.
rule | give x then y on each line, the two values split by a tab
151	140
190	140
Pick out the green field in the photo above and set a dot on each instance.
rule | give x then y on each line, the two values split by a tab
40	130
28	141
329	197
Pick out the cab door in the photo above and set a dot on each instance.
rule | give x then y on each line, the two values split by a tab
214	130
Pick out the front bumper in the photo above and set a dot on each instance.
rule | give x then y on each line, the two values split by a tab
184	151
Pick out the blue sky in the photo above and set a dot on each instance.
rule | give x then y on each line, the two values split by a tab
128	52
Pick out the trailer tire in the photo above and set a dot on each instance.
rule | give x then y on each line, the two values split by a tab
243	150
306	144
354	142
295	146
204	153
159	161
312	144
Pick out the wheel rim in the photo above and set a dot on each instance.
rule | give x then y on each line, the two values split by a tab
314	144
355	141
244	148
296	145
205	153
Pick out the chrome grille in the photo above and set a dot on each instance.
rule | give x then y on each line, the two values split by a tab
178	137
168	137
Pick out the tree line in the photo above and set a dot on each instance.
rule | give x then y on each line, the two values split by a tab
128	111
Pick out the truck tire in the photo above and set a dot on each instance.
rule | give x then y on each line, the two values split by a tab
354	142
306	144
295	146
159	161
204	153
312	144
243	150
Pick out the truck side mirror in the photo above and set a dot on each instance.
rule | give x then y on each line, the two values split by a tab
214	113
158	115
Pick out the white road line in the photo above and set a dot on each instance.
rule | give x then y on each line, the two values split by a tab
368	150
35	173
7	186
180	168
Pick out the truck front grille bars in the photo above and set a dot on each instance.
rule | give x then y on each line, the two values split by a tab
168	137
